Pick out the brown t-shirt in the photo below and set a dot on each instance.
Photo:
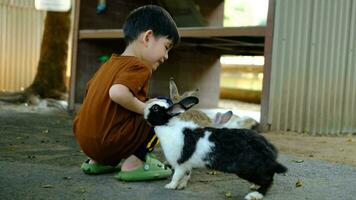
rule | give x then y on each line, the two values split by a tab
106	131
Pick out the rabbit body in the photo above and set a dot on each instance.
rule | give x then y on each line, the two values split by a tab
187	145
225	120
235	122
195	115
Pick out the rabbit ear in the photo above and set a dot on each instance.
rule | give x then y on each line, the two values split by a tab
175	109
217	118
224	118
189	102
194	93
173	90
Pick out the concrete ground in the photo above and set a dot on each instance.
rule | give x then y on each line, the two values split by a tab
40	159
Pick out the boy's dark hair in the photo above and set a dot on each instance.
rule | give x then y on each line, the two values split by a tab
150	17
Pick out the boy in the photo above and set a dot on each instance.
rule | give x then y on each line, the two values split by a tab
109	126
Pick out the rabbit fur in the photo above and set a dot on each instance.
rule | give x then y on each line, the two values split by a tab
229	120
187	145
195	115
221	120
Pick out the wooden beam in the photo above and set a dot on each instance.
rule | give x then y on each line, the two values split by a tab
252	96
73	67
200	32
222	32
267	67
242	69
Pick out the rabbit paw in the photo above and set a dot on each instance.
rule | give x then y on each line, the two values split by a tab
182	185
253	196
254	187
171	186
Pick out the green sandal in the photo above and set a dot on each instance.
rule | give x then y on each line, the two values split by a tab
152	169
97	168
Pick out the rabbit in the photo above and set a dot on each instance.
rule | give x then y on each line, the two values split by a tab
230	120
196	115
187	145
227	120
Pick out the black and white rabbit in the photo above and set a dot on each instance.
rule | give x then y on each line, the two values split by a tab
186	145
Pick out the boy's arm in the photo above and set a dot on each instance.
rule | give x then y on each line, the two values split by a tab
122	95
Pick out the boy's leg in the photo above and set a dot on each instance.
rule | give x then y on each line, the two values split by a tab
147	146
139	156
132	162
149	168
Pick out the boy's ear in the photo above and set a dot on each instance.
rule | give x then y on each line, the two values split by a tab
146	36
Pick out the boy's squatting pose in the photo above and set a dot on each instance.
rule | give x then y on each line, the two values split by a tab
110	126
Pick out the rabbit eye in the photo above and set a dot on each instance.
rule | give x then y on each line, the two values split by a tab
155	108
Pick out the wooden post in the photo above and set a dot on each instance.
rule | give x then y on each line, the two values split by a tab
267	67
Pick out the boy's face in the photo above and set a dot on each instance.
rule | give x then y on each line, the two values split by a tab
156	50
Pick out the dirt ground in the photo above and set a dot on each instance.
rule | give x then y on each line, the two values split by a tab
338	149
341	150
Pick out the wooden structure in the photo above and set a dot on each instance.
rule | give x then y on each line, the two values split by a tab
194	64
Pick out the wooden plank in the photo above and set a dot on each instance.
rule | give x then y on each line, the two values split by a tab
267	67
196	32
222	32
252	96
242	69
71	101
101	34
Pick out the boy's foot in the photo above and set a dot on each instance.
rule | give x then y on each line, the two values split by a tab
131	163
89	167
152	169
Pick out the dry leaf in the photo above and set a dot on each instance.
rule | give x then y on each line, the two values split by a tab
254	187
228	195
47	186
212	172
82	190
299	183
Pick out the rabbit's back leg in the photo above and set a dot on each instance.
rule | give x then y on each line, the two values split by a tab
184	181
264	181
179	173
264	186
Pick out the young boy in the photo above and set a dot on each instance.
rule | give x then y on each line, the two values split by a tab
110	126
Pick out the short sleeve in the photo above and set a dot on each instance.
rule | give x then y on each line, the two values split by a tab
135	77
